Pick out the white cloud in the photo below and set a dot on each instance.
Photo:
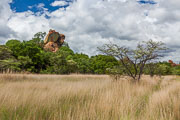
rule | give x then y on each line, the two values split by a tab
26	24
59	3
40	5
5	13
21	25
91	23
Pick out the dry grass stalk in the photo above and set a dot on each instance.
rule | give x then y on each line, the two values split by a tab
91	97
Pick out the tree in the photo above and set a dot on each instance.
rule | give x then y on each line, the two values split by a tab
133	61
61	62
38	38
151	69
176	70
14	46
5	52
40	35
163	69
100	63
115	72
83	63
30	51
160	68
25	62
7	60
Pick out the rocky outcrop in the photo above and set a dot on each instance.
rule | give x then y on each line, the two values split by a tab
173	64
53	41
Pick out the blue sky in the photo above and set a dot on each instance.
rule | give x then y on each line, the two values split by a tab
32	5
24	5
88	24
147	2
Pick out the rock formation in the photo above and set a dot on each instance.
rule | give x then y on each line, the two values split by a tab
53	41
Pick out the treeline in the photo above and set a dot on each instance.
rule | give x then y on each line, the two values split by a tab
29	56
161	68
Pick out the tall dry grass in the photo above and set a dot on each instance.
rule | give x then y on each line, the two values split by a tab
87	97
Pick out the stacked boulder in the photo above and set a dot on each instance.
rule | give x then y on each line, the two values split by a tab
53	41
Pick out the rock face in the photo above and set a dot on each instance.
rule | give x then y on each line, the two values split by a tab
51	46
173	64
53	41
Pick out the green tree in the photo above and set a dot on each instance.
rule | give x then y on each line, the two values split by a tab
39	39
14	46
163	69
160	68
25	63
83	63
133	61
176	70
30	50
35	53
5	52
7	60
65	50
151	69
100	63
61	62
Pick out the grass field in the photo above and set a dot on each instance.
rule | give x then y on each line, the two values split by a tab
88	97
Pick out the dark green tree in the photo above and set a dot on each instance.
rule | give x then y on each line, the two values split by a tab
61	62
7	60
14	46
83	63
100	63
30	50
176	70
5	52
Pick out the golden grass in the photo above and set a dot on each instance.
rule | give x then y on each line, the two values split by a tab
87	97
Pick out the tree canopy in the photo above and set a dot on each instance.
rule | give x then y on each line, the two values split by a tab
29	56
133	61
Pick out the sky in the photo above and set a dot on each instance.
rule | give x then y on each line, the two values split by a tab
88	24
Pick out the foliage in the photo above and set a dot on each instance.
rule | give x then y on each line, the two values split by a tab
61	62
25	62
29	51
5	52
38	38
176	70
160	68
83	63
100	63
30	56
7	60
9	64
14	46
134	61
116	72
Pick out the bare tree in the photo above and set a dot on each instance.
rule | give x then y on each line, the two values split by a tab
133	61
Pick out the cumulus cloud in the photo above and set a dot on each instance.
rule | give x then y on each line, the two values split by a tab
59	3
5	12
96	22
26	24
91	23
23	25
40	7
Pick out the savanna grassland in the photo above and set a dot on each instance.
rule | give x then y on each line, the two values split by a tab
88	97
